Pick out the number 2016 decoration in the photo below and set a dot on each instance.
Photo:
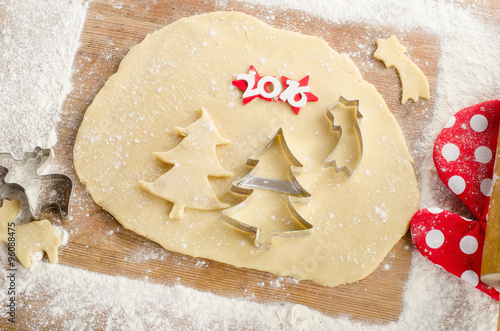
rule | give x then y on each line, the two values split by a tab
297	94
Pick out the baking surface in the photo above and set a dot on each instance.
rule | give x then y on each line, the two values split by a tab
98	243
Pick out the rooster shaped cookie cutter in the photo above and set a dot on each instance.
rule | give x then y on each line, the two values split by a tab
20	180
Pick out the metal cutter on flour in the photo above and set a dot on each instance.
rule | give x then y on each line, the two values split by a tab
21	180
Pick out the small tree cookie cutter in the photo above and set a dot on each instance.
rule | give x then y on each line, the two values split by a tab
330	161
20	179
250	182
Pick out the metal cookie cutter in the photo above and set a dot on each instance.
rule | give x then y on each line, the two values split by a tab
19	179
250	182
350	136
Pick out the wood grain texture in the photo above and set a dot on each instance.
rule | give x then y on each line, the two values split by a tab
99	244
490	265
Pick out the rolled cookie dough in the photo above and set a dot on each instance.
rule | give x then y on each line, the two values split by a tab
166	80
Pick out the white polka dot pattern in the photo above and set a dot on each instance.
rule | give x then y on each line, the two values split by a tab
463	153
466	148
434	239
434	210
451	242
470	277
450	152
456	184
483	154
469	245
478	123
450	122
486	186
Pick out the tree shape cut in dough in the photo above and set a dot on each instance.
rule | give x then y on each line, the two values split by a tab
272	190
27	238
194	159
413	81
348	151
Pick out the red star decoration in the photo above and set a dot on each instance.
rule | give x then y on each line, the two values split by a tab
243	85
303	82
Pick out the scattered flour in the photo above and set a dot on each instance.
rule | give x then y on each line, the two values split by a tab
38	40
76	299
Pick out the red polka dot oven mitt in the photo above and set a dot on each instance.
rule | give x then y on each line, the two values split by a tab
464	155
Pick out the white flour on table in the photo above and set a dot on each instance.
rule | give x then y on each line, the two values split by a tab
38	41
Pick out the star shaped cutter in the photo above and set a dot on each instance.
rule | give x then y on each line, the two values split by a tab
330	161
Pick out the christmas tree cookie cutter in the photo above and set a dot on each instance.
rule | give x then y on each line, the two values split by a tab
350	137
249	183
20	180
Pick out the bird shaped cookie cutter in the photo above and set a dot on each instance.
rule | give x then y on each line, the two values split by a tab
350	139
289	187
20	180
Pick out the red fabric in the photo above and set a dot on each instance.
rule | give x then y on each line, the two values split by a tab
464	155
472	141
452	242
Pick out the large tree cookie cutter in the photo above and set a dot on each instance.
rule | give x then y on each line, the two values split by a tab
350	139
291	187
20	180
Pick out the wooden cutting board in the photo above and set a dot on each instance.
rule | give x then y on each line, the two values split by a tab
97	241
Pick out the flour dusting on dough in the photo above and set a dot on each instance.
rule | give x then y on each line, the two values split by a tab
194	61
